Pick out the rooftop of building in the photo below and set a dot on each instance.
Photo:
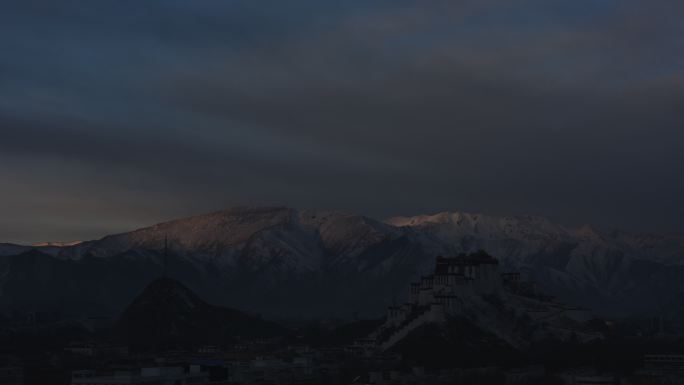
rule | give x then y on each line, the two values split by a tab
477	258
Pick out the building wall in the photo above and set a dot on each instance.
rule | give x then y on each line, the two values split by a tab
449	282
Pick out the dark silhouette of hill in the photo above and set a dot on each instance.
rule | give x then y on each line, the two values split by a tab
456	343
347	333
169	315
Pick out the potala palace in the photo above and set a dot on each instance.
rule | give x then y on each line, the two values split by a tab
461	285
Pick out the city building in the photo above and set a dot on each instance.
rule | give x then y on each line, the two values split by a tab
144	376
437	295
11	375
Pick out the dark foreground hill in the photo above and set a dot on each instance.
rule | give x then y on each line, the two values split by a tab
168	314
456	343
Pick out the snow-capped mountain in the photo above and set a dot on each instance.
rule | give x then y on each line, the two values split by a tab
287	240
274	260
304	263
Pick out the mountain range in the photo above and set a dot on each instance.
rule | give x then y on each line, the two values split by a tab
290	263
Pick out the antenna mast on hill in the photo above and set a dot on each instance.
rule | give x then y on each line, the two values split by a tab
166	254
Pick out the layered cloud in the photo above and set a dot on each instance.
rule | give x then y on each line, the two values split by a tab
146	111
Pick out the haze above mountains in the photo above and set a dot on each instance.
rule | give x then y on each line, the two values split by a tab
301	263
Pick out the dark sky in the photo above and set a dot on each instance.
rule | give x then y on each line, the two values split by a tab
115	114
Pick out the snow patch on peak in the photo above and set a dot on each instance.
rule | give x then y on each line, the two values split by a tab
202	235
461	224
588	232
